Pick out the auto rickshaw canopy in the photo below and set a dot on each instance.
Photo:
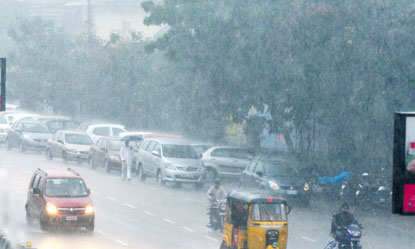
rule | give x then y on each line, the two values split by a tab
254	197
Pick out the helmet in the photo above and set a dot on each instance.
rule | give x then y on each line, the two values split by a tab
217	180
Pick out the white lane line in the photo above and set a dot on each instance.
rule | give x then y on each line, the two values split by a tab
211	238
308	239
129	205
121	242
188	229
149	213
110	198
169	221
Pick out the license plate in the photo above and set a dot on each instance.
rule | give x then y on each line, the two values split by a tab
292	192
71	218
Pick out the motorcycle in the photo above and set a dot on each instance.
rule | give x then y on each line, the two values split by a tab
372	193
218	212
350	239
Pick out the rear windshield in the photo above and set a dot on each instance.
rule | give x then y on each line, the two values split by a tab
65	187
78	139
268	212
179	151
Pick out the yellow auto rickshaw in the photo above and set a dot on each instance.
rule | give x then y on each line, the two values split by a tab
255	221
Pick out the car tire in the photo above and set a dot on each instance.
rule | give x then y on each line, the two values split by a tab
21	147
90	228
44	226
210	175
49	155
140	173
159	178
107	166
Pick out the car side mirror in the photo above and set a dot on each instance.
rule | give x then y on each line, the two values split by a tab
36	191
155	153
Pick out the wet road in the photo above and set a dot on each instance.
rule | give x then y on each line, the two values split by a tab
149	216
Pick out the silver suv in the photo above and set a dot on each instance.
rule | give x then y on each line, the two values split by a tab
169	160
226	161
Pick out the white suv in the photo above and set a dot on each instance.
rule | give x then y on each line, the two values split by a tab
104	130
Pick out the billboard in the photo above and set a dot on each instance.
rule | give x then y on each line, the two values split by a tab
403	194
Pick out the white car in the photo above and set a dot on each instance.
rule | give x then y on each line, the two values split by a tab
104	130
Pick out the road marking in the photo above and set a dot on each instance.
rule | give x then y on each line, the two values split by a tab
211	238
121	242
399	229
169	221
129	205
111	198
188	229
308	239
149	213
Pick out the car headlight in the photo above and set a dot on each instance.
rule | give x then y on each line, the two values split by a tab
89	209
273	185
115	158
381	188
51	209
306	187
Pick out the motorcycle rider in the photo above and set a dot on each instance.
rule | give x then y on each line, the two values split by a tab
341	220
215	193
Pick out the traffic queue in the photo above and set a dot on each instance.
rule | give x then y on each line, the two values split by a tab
255	215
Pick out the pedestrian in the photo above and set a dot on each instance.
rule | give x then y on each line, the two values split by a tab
126	158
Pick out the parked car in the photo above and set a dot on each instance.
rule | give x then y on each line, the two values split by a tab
201	147
28	135
12	117
59	199
169	160
70	145
226	161
106	153
4	127
96	131
55	122
279	174
137	137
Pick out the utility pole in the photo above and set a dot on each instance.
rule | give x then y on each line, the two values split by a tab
3	85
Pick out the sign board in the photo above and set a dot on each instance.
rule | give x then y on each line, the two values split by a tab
403	195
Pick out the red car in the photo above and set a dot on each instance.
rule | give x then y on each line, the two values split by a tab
59	199
106	153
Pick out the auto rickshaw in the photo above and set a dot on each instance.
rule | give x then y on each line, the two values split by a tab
255	221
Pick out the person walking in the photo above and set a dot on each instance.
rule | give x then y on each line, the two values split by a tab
126	159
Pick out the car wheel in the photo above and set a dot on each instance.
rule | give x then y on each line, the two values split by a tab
21	147
140	173
43	224
210	175
49	155
90	228
160	178
107	166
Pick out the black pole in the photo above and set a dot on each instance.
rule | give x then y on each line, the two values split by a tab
3	85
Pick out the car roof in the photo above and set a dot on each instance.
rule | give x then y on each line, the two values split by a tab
148	134
69	173
254	196
111	138
107	125
169	140
73	132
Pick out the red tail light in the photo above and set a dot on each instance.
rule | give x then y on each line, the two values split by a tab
412	145
235	236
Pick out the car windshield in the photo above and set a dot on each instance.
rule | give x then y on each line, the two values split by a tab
65	187
276	167
35	128
201	148
268	212
179	151
115	145
78	139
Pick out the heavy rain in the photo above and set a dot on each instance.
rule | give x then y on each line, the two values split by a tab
210	124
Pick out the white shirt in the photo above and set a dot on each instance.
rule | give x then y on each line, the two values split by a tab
126	154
